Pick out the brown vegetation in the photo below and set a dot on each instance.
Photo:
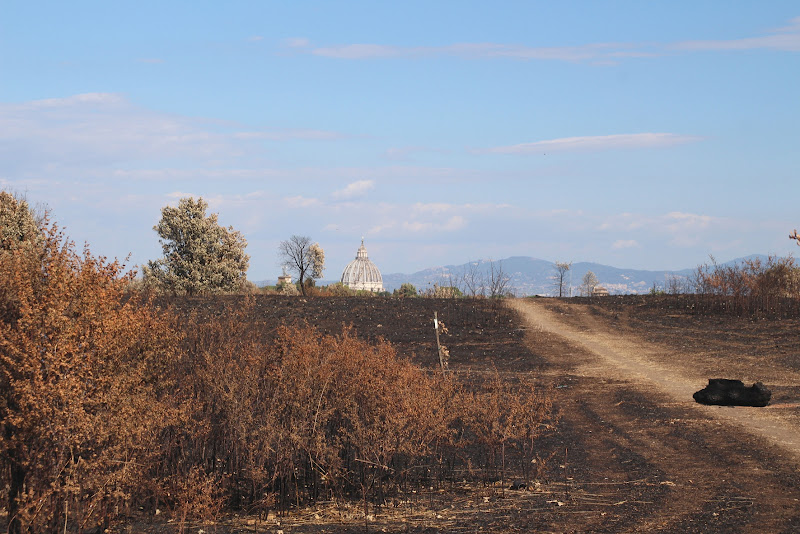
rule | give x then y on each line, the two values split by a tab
81	381
111	405
775	277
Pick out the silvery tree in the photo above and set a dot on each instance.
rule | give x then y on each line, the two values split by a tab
200	255
19	225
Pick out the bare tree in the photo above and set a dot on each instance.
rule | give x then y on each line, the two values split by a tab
302	257
675	285
560	276
588	283
498	280
473	281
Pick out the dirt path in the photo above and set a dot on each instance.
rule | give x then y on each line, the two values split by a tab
630	431
636	360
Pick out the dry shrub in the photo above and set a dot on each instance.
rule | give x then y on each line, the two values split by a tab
505	414
80	375
295	416
336	290
109	405
302	415
773	277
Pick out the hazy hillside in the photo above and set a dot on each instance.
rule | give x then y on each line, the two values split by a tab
533	276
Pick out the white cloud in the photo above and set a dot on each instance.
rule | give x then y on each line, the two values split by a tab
679	221
69	102
288	134
100	133
794	26
405	153
433	208
355	189
296	42
598	142
589	52
625	243
786	38
452	224
300	202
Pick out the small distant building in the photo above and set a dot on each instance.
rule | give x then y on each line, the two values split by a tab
285	279
599	291
361	274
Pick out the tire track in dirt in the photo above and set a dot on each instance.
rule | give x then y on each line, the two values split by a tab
635	360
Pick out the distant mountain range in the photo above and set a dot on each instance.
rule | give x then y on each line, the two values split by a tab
532	276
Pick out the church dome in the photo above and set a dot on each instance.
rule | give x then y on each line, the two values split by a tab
362	274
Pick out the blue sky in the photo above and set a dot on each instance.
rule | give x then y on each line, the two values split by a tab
636	134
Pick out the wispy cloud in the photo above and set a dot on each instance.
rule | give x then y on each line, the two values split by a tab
296	42
598	142
451	224
625	243
679	222
287	134
300	202
355	189
404	153
94	130
786	38
595	51
671	222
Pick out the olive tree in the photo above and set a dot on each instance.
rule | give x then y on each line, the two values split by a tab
18	223
303	258
406	290
200	256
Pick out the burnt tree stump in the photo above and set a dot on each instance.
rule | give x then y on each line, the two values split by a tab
726	392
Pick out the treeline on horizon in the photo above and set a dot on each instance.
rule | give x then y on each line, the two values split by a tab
110	405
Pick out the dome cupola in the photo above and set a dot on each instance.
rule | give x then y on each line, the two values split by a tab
361	273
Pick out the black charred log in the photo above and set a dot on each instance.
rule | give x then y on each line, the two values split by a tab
726	392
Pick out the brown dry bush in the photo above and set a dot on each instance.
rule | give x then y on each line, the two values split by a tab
299	416
773	277
109	405
502	416
80	379
290	417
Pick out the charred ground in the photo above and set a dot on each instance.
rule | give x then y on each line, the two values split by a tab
622	458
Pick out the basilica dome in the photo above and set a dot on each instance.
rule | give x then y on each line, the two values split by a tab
362	274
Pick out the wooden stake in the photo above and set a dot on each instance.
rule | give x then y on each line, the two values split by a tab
438	344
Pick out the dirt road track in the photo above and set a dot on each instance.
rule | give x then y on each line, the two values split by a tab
638	361
629	411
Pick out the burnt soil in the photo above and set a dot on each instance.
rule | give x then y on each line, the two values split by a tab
624	456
